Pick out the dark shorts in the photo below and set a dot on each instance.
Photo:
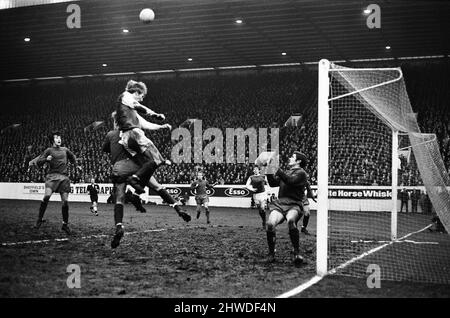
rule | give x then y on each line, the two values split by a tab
59	183
136	138
201	199
285	205
123	169
94	198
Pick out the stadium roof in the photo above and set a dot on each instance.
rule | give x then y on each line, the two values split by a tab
207	32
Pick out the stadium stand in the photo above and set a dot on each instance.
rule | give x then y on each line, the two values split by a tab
258	99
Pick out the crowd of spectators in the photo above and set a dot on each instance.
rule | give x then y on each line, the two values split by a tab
360	152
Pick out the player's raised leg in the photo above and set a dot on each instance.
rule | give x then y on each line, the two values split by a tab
162	192
148	157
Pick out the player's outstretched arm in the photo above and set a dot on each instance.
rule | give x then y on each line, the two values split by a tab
71	157
33	162
45	157
296	179
146	125
209	185
147	111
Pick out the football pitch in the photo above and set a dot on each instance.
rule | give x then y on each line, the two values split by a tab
161	256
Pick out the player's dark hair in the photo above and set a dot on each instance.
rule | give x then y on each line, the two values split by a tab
300	156
52	135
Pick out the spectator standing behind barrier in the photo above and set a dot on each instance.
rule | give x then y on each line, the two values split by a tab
415	196
425	203
422	202
428	205
404	197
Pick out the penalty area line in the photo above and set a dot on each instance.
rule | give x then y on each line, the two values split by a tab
87	237
314	280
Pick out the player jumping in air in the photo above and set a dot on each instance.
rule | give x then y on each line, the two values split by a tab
200	185
56	180
289	204
131	125
93	190
257	185
125	165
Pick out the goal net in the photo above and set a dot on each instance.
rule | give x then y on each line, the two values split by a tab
383	196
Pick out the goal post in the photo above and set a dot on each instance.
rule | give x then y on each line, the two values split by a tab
325	69
368	109
322	168
394	173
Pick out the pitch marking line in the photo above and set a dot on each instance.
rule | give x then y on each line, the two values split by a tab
314	280
405	241
95	236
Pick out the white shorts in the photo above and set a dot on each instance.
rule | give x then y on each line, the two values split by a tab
260	199
139	136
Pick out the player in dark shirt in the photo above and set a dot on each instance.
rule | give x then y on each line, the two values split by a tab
56	158
131	125
93	190
257	185
125	165
200	186
289	205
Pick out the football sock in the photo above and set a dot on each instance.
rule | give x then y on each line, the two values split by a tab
207	215
271	238
43	207
166	196
65	213
295	237
118	213
262	214
305	221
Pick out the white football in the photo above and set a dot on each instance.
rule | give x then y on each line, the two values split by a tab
264	158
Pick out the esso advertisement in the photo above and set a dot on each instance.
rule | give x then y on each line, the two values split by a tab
209	192
237	192
174	191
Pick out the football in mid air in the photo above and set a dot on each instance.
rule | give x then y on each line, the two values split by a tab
147	15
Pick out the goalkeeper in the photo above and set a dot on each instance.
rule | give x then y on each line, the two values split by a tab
289	205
